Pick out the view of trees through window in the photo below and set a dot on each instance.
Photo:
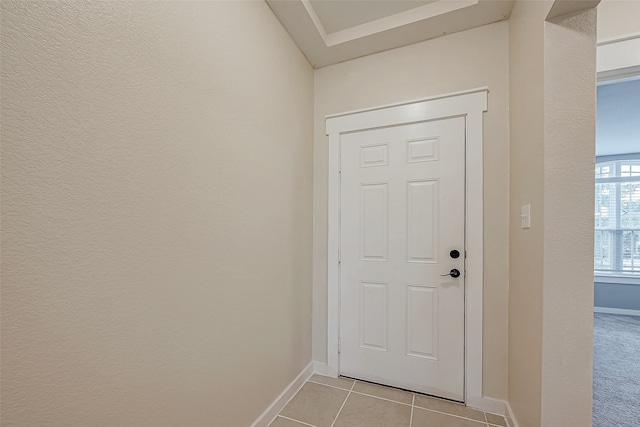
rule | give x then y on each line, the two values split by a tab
617	218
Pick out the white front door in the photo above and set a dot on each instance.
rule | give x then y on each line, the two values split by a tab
402	215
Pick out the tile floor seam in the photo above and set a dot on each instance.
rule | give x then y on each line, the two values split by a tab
381	398
413	405
285	405
328	385
452	415
297	421
489	423
343	403
413	401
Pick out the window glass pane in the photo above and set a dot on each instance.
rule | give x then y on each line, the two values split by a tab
631	251
630	168
605	205
630	205
603	170
602	252
617	218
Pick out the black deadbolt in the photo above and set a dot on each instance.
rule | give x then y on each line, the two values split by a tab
454	254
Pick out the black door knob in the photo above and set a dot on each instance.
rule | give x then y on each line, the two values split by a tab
454	253
453	273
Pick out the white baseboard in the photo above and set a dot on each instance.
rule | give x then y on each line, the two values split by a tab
281	401
487	404
322	368
495	406
511	419
616	311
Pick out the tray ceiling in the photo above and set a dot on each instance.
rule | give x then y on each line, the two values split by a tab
331	31
337	15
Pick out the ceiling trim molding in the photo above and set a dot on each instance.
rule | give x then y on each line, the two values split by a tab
323	34
410	16
411	101
567	7
316	20
614	55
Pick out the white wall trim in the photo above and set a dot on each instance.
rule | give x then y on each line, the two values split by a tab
487	404
624	311
510	415
322	368
315	19
618	280
612	40
621	54
470	104
495	406
281	401
411	101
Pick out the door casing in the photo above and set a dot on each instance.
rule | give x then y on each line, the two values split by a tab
471	105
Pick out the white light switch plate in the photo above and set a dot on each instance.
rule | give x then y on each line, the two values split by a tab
525	216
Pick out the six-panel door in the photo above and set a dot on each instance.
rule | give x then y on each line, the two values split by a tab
402	212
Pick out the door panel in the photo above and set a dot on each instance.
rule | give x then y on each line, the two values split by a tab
374	228
422	321
402	211
422	221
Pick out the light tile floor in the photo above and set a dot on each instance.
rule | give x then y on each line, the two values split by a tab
341	402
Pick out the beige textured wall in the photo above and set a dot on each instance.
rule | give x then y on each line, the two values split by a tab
569	161
156	213
552	129
618	18
460	61
526	121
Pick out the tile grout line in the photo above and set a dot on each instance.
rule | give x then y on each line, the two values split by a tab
329	385
363	394
451	415
413	405
382	398
406	404
489	424
413	401
343	403
297	421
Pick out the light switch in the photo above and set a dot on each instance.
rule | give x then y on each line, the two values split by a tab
525	216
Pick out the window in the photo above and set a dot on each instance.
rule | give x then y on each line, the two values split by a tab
617	218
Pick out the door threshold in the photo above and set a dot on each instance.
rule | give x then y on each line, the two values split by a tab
403	389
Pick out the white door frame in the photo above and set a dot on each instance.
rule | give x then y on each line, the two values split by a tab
469	104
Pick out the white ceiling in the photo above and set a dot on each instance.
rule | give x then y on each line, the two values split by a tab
332	31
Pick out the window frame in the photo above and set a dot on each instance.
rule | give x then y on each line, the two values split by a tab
616	276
